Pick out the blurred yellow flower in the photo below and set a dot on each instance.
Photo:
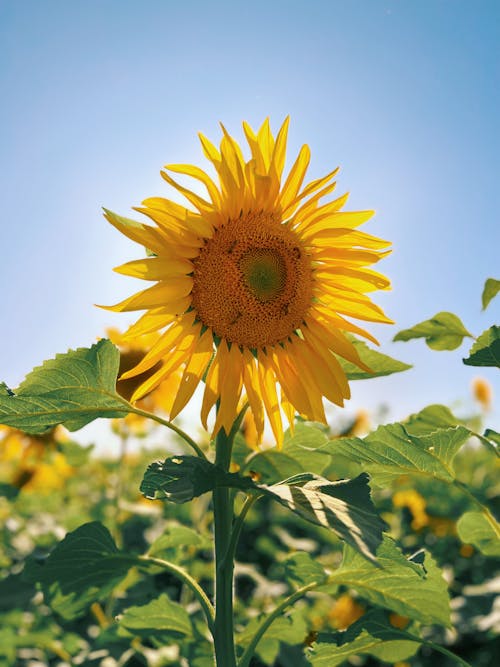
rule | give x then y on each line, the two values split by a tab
415	503
482	392
32	463
252	286
159	399
345	612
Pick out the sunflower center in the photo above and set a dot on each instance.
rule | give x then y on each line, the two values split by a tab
252	281
264	272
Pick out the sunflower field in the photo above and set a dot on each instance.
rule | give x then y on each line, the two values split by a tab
284	533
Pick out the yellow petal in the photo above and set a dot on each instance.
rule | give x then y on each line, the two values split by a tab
267	383
164	344
200	175
193	372
155	268
295	177
251	383
157	295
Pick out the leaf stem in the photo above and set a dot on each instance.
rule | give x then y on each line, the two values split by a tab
444	651
188	580
170	425
266	623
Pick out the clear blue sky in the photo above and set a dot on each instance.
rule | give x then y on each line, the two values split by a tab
98	95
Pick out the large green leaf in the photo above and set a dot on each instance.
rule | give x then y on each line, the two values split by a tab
486	349
397	583
490	290
73	389
82	569
158	618
379	364
344	507
372	635
391	451
444	331
474	528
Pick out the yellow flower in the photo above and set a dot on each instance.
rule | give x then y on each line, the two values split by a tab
31	462
253	285
415	503
482	392
159	399
345	612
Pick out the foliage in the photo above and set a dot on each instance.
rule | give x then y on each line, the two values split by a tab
381	548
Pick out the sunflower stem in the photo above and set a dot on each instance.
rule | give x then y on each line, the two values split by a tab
224	568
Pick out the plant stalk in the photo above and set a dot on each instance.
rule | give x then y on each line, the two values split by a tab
224	568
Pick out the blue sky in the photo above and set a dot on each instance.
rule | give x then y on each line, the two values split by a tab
99	95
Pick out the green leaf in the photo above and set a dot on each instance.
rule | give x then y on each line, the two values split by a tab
299	453
444	331
398	583
344	507
302	569
176	536
434	417
473	528
15	592
73	389
158	618
391	451
490	290
82	569
372	635
486	349
492	435
182	478
380	364
179	479
272	466
290	629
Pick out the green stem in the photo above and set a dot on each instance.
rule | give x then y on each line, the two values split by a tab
237	526
186	578
444	651
266	623
173	427
223	520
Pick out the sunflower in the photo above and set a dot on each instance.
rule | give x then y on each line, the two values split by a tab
253	285
159	399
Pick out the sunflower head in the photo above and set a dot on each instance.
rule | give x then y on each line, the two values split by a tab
254	285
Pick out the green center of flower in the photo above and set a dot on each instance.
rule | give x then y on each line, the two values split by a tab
264	272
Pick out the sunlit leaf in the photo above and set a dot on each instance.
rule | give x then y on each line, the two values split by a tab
399	584
380	364
444	331
490	290
157	618
344	507
73	389
82	569
372	635
435	417
391	451
486	349
473	528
